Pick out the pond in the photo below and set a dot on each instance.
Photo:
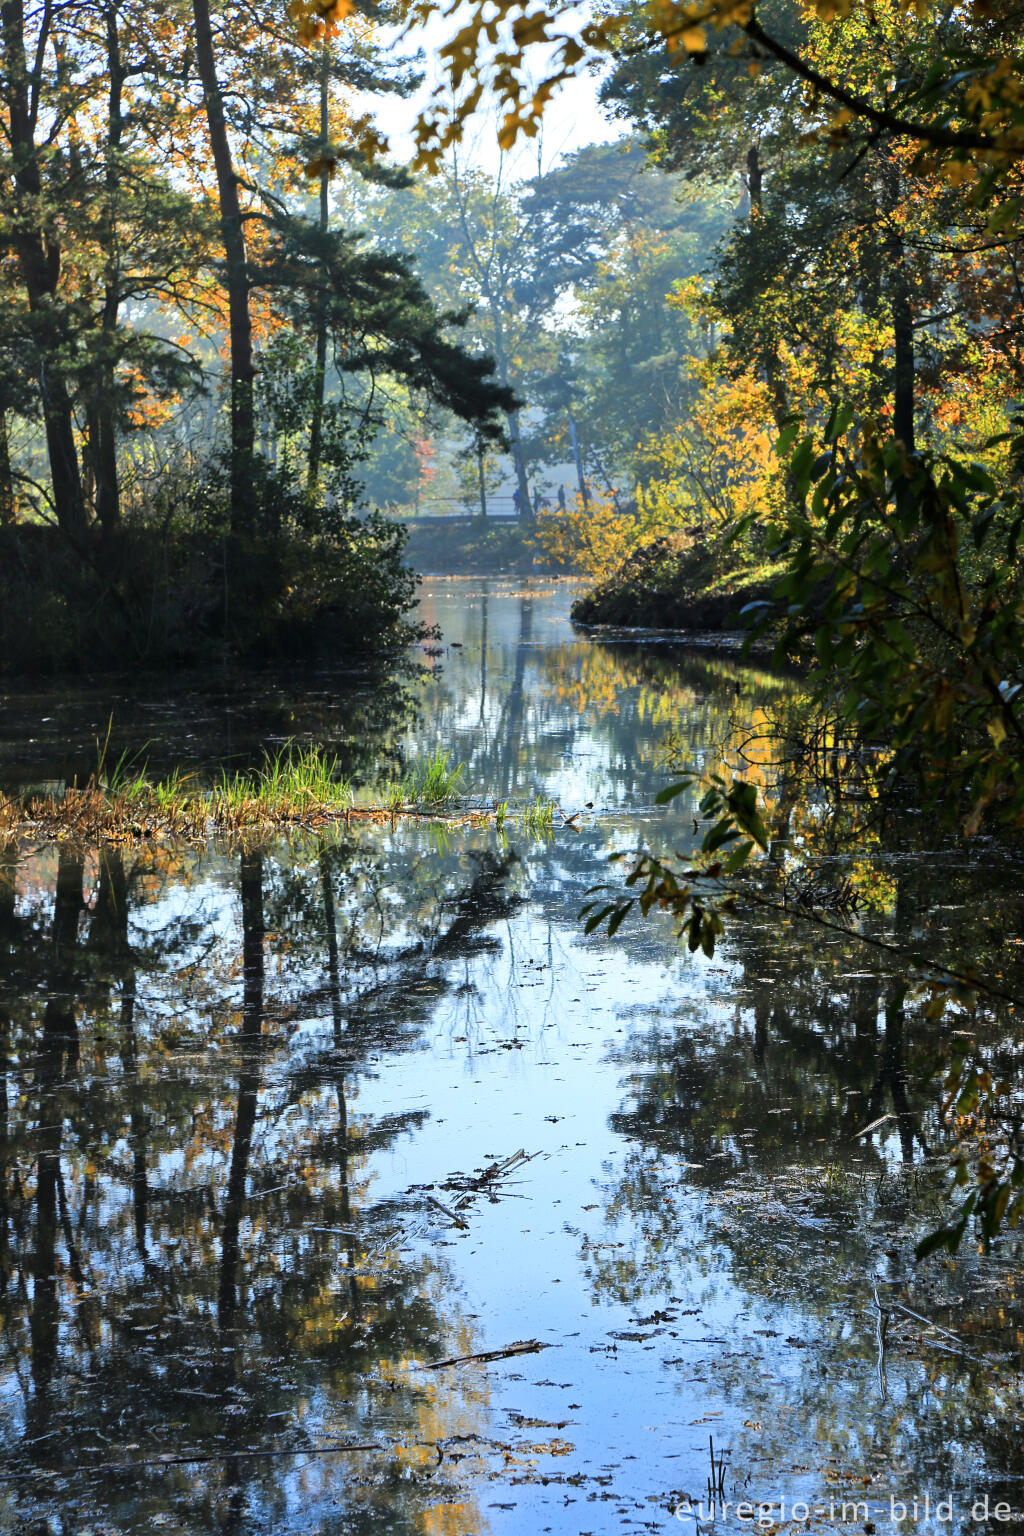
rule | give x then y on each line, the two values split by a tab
346	1186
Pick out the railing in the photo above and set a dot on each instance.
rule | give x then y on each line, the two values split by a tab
500	509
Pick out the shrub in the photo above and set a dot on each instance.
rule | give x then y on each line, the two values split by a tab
175	587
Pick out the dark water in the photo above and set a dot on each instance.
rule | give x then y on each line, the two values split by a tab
255	1107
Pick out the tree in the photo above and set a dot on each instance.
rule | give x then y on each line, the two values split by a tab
156	209
36	239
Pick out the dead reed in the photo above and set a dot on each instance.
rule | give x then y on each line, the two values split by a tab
300	788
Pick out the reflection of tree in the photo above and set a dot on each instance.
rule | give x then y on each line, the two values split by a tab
57	1059
191	1208
8	878
231	721
743	1159
539	705
251	889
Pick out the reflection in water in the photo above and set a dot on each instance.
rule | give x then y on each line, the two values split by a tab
253	1101
193	1266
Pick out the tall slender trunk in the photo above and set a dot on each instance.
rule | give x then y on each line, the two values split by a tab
904	362
243	421
39	258
754	179
897	288
316	425
771	360
7	502
481	475
522	484
514	435
581	479
102	414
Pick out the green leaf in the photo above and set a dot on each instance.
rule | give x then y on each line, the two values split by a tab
786	438
738	857
597	918
672	790
723	832
618	917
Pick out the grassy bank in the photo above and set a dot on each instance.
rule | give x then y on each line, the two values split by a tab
298	789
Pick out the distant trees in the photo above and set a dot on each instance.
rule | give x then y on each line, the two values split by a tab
161	254
567	276
154	200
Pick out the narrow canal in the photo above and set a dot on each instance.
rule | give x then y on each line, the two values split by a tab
292	1136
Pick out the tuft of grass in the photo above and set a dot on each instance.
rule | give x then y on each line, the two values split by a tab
537	815
430	783
393	797
836	1181
288	787
433	782
298	787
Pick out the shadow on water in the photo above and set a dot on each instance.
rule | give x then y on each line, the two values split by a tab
257	1103
199	724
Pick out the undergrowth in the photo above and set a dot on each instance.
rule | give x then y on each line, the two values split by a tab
298	787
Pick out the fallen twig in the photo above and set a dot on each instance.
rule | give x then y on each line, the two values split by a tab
897	1306
469	1185
452	1215
873	1126
192	1458
520	1347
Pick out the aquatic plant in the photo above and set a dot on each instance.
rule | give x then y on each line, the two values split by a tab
299	786
537	815
433	782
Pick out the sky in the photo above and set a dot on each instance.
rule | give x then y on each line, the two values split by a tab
573	119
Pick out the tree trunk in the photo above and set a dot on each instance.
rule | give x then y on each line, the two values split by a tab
754	179
522	484
771	361
904	364
897	289
481	473
316	425
581	478
6	479
243	422
39	263
103	416
512	417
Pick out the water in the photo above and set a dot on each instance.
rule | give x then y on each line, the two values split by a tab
257	1105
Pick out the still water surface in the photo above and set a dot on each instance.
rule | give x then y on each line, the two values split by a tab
256	1106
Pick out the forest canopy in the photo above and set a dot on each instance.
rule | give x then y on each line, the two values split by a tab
853	462
191	353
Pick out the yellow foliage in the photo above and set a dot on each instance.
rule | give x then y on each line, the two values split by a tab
593	540
716	466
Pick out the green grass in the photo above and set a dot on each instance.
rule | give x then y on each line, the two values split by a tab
289	784
537	815
430	783
299	786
